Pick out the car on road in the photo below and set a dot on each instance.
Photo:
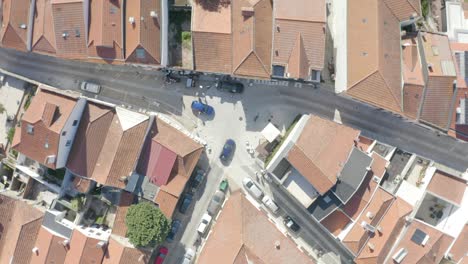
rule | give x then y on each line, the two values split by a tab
205	222
228	150
202	108
216	202
270	204
186	201
188	256
197	177
252	188
230	86
163	251
175	225
90	87
291	224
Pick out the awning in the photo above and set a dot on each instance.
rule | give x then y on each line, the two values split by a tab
270	132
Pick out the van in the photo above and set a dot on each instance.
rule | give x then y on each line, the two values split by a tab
90	87
270	204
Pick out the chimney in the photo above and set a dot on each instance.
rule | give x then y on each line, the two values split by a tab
277	244
23	26
66	242
247	11
371	246
101	244
35	250
153	14
370	215
131	20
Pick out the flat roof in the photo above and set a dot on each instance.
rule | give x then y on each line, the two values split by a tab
352	175
300	188
324	205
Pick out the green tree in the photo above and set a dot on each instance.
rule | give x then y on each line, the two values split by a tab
146	224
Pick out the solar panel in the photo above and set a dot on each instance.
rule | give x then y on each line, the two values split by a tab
418	236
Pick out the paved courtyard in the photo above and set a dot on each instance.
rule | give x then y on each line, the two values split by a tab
11	94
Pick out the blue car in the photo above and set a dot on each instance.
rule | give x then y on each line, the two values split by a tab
228	149
186	201
202	108
174	228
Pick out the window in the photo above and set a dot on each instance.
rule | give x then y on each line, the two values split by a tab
75	122
315	76
64	133
140	53
30	129
68	143
77	33
278	70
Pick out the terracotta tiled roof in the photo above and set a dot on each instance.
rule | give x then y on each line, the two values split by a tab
14	33
81	184
126	200
251	36
392	223
336	222
458	249
447	186
357	237
361	198
20	225
212	19
241	230
374	44
90	138
69	28
432	252
43	32
412	99
50	248
212	52
379	165
364	143
321	151
404	9
120	254
299	36
105	29
145	33
166	202
84	249
47	114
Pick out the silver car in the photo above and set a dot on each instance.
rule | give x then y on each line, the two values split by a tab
252	188
215	203
189	256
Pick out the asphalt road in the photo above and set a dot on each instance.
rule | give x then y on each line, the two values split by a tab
144	88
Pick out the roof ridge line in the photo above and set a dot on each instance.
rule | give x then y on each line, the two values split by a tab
302	151
391	92
361	80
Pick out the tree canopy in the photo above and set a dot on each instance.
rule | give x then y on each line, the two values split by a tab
146	224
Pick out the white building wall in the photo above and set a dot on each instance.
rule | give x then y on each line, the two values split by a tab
340	38
70	130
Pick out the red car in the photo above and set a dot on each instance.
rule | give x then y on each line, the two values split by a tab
161	255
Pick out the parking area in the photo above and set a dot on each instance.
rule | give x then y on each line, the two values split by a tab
11	95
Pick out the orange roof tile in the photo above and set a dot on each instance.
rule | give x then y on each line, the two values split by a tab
20	225
166	202
412	69
15	22
243	229
432	252
47	114
361	198
302	10
50	248
69	28
459	249
364	143
43	32
374	44
120	254
404	9
321	151
336	222
211	18
143	37
212	52
105	29
447	186
412	99
84	249
126	200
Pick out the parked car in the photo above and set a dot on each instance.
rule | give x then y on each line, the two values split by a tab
230	86
175	225
228	150
215	203
291	224
163	251
270	204
202	108
252	188
205	222
90	87
186	201
197	177
188	256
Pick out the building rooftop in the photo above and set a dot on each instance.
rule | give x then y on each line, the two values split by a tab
50	247
14	32
43	39
352	175
458	249
118	253
242	233
423	244
321	151
125	201
449	187
324	205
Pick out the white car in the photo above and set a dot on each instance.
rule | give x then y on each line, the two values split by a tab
188	257
205	222
270	204
253	189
